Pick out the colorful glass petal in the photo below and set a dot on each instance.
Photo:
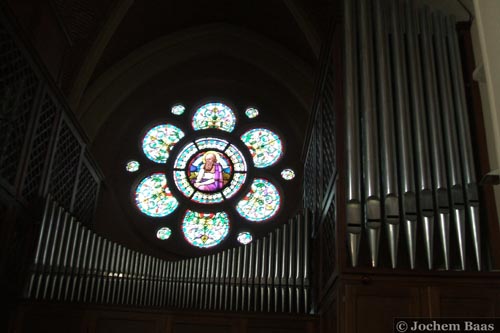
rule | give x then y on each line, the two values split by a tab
187	152
183	184
235	185
205	229
214	115
178	109
153	196
132	166
159	141
163	233
236	158
251	113
265	146
207	198
288	174
211	143
244	237
260	203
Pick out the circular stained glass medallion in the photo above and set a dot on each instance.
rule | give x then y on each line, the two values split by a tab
214	115
244	237
265	146
163	233
159	141
178	109
153	196
210	171
251	113
213	182
132	166
261	202
205	230
288	174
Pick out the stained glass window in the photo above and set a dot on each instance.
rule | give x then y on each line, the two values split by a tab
210	171
153	197
244	237
205	229
264	145
163	233
178	109
288	174
214	115
160	140
251	113
261	202
132	166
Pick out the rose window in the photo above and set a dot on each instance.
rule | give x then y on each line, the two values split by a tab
210	176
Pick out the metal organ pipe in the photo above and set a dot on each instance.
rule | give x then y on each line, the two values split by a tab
388	137
457	202
468	168
353	162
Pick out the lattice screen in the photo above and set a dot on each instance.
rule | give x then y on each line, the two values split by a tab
18	86
65	166
40	147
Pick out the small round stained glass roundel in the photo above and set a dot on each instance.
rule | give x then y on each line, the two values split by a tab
205	230
159	141
244	237
178	109
251	113
265	146
153	197
214	115
163	233
132	166
288	174
261	202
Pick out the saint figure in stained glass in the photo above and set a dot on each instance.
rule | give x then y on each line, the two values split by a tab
210	173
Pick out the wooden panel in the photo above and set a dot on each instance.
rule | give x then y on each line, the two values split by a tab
47	321
372	308
109	325
200	327
467	301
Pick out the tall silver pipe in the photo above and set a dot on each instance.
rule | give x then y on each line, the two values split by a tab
403	125
388	137
42	260
371	169
90	267
82	271
222	280
70	276
292	263
63	243
449	128
126	276
464	136
435	128
170	274
256	280
95	270
444	229
460	230
31	290
52	243
250	277
353	163
227	295
244	277
424	180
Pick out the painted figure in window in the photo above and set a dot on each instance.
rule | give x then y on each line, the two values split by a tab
210	176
